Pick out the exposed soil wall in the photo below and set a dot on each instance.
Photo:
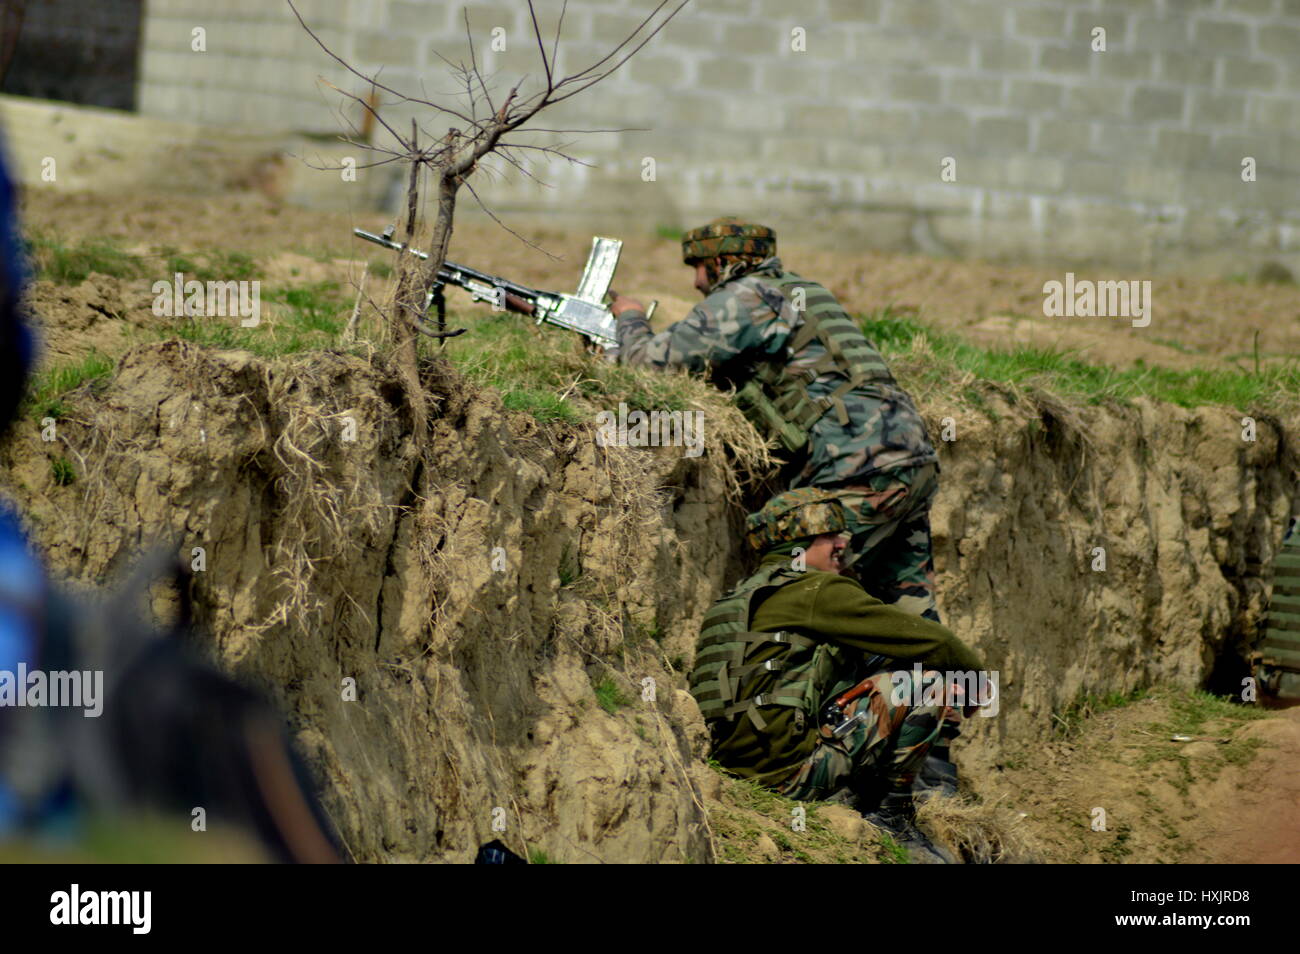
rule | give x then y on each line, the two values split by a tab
479	587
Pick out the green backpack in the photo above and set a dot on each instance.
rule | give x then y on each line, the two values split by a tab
725	675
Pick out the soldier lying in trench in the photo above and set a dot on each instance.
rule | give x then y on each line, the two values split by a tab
807	682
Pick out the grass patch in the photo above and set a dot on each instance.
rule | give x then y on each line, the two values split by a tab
49	387
538	857
609	695
62	472
217	265
304	318
938	358
748	813
568	571
544	371
72	263
1069	722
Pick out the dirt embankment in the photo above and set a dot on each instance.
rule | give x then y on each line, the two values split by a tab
493	628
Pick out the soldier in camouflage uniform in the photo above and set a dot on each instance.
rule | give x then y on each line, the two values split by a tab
797	649
806	375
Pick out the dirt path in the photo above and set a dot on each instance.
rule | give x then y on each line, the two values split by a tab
1235	801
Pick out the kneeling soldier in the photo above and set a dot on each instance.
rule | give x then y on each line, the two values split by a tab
805	681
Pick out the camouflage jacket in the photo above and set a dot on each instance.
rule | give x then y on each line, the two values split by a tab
739	325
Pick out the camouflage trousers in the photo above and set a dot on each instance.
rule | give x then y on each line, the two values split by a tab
884	750
889	547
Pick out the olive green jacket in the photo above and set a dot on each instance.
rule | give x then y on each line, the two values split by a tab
837	609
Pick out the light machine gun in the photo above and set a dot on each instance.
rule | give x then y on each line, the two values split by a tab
584	312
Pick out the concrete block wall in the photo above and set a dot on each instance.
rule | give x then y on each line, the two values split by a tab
832	117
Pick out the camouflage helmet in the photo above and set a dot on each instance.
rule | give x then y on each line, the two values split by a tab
728	236
794	515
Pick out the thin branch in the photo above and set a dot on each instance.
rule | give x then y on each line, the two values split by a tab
587	85
559	23
357	73
493	216
541	46
473	62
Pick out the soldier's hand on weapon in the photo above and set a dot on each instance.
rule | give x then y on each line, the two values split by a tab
622	303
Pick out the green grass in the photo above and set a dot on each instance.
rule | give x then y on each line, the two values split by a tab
609	695
568	570
544	372
49	387
1063	373
62	472
216	265
1070	721
670	233
304	318
72	264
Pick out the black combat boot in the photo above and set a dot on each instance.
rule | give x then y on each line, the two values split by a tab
896	815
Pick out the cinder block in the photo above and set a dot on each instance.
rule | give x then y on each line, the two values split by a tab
854	11
1182	147
947	128
1221	37
1044	23
1151	103
950	52
374	48
1251	8
413	18
802	76
1281	41
754	39
976	17
662	71
1150	33
1125	67
1139	6
1034	95
1230	149
793	151
1239	73
1003	134
1216	108
1075	59
858	83
867	157
1004	55
1098	101
1114	22
884	123
925	16
1187	69
915	88
972	90
1117	140
880	50
974	170
1061	137
1085	177
1148	183
1273	112
1035	173
726	75
608	28
827	120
